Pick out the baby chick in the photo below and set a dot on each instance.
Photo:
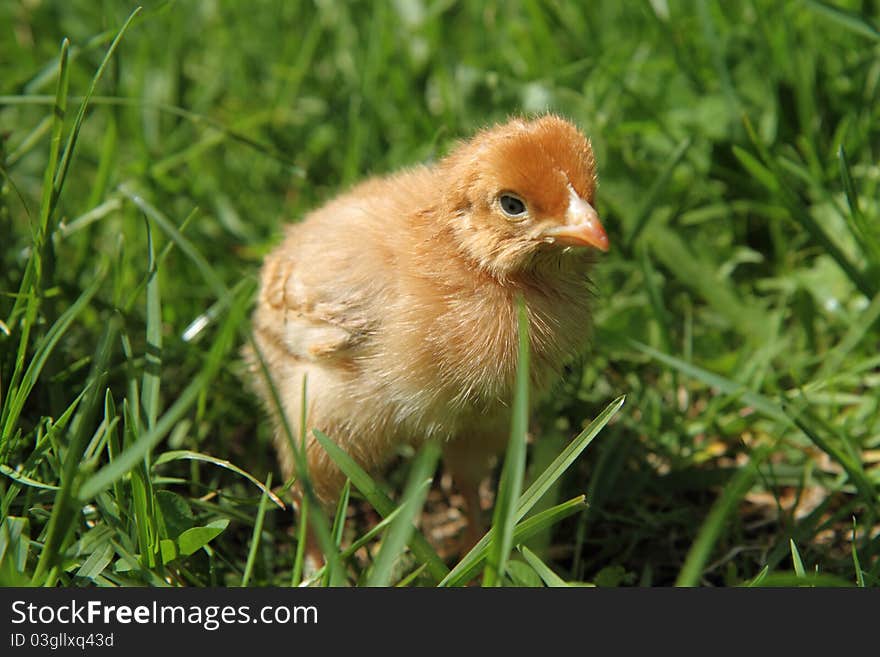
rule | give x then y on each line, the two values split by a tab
397	300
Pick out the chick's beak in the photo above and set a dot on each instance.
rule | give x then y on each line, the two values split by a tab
582	226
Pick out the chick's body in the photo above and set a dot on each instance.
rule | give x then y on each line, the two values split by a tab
397	299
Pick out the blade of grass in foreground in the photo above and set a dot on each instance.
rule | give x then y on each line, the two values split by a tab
510	485
544	571
23	479
303	528
374	531
566	457
464	569
468	567
381	502
255	537
153	352
402	528
339	521
790	580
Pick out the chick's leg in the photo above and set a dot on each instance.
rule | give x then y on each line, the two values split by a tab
470	460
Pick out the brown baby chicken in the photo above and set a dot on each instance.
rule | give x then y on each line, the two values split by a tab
397	299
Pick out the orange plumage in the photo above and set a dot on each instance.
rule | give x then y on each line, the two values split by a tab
397	299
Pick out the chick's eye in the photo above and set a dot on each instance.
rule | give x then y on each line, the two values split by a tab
512	206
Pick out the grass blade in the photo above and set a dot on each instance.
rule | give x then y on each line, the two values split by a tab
374	531
861	229
299	558
790	580
339	521
796	559
756	581
568	456
847	20
84	105
207	271
381	502
255	537
732	388
525	529
24	480
31	281
185	454
860	575
341	508
544	571
402	528
153	355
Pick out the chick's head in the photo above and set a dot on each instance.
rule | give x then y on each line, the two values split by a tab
522	189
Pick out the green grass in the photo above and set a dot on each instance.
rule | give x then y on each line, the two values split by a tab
148	161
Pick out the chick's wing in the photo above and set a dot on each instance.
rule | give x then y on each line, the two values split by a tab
306	308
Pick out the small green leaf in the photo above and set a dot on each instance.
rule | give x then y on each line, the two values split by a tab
167	549
197	537
611	576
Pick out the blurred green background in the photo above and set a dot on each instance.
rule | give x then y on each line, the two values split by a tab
737	145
